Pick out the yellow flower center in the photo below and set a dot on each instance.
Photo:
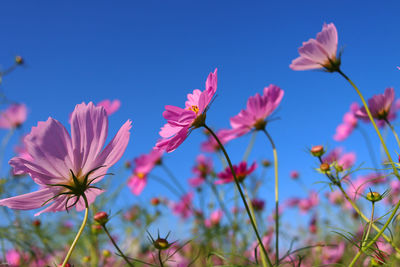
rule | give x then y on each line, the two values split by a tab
195	109
140	175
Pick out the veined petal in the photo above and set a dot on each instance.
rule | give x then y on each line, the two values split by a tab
314	51
328	38
33	200
49	144
302	63
89	125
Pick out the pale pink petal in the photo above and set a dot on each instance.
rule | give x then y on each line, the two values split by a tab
110	107
302	63
328	37
136	185
33	200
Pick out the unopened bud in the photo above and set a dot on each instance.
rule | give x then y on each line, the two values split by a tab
155	201
106	253
101	217
161	244
36	223
324	167
86	259
338	168
266	163
19	60
374	196
317	151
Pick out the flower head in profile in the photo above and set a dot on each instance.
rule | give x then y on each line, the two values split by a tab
143	166
320	52
348	125
241	170
110	106
180	121
259	107
13	117
66	166
380	106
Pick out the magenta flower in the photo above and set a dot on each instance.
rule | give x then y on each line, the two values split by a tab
258	109
307	204
214	219
143	166
110	106
345	160
13	117
320	52
183	207
348	125
180	121
201	170
241	171
380	106
66	167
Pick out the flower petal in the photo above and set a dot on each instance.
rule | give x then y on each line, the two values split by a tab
33	200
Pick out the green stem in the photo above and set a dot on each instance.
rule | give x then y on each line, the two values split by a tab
172	176
250	146
79	232
373	122
241	194
116	246
276	195
220	202
369	147
160	259
369	225
393	131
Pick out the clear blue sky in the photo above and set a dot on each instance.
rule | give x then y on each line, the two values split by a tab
152	53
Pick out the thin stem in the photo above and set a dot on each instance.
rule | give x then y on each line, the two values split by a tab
373	122
250	146
393	131
116	246
276	195
369	225
79	232
369	146
166	184
241	194
172	176
159	258
220	202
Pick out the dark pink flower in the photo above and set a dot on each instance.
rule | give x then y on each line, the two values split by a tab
13	117
320	52
110	106
241	171
257	111
202	168
183	207
143	165
180	121
348	125
258	204
64	166
380	106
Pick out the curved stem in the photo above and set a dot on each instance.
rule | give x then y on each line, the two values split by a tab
79	232
159	258
241	194
172	176
373	122
116	246
276	196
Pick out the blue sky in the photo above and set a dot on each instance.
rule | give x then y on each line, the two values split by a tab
152	53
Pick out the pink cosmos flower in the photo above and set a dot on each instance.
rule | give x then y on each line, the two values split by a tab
380	106
332	254
241	171
348	125
110	106
320	52
211	145
214	219
13	258
307	204
180	121
183	207
336	197
64	166
258	204
201	170
258	109
143	166
13	117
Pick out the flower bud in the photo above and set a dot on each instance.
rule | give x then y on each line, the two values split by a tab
374	196
86	259
155	201
161	244
338	168
96	229
19	60
324	167
36	223
317	151
101	217
266	163
106	253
